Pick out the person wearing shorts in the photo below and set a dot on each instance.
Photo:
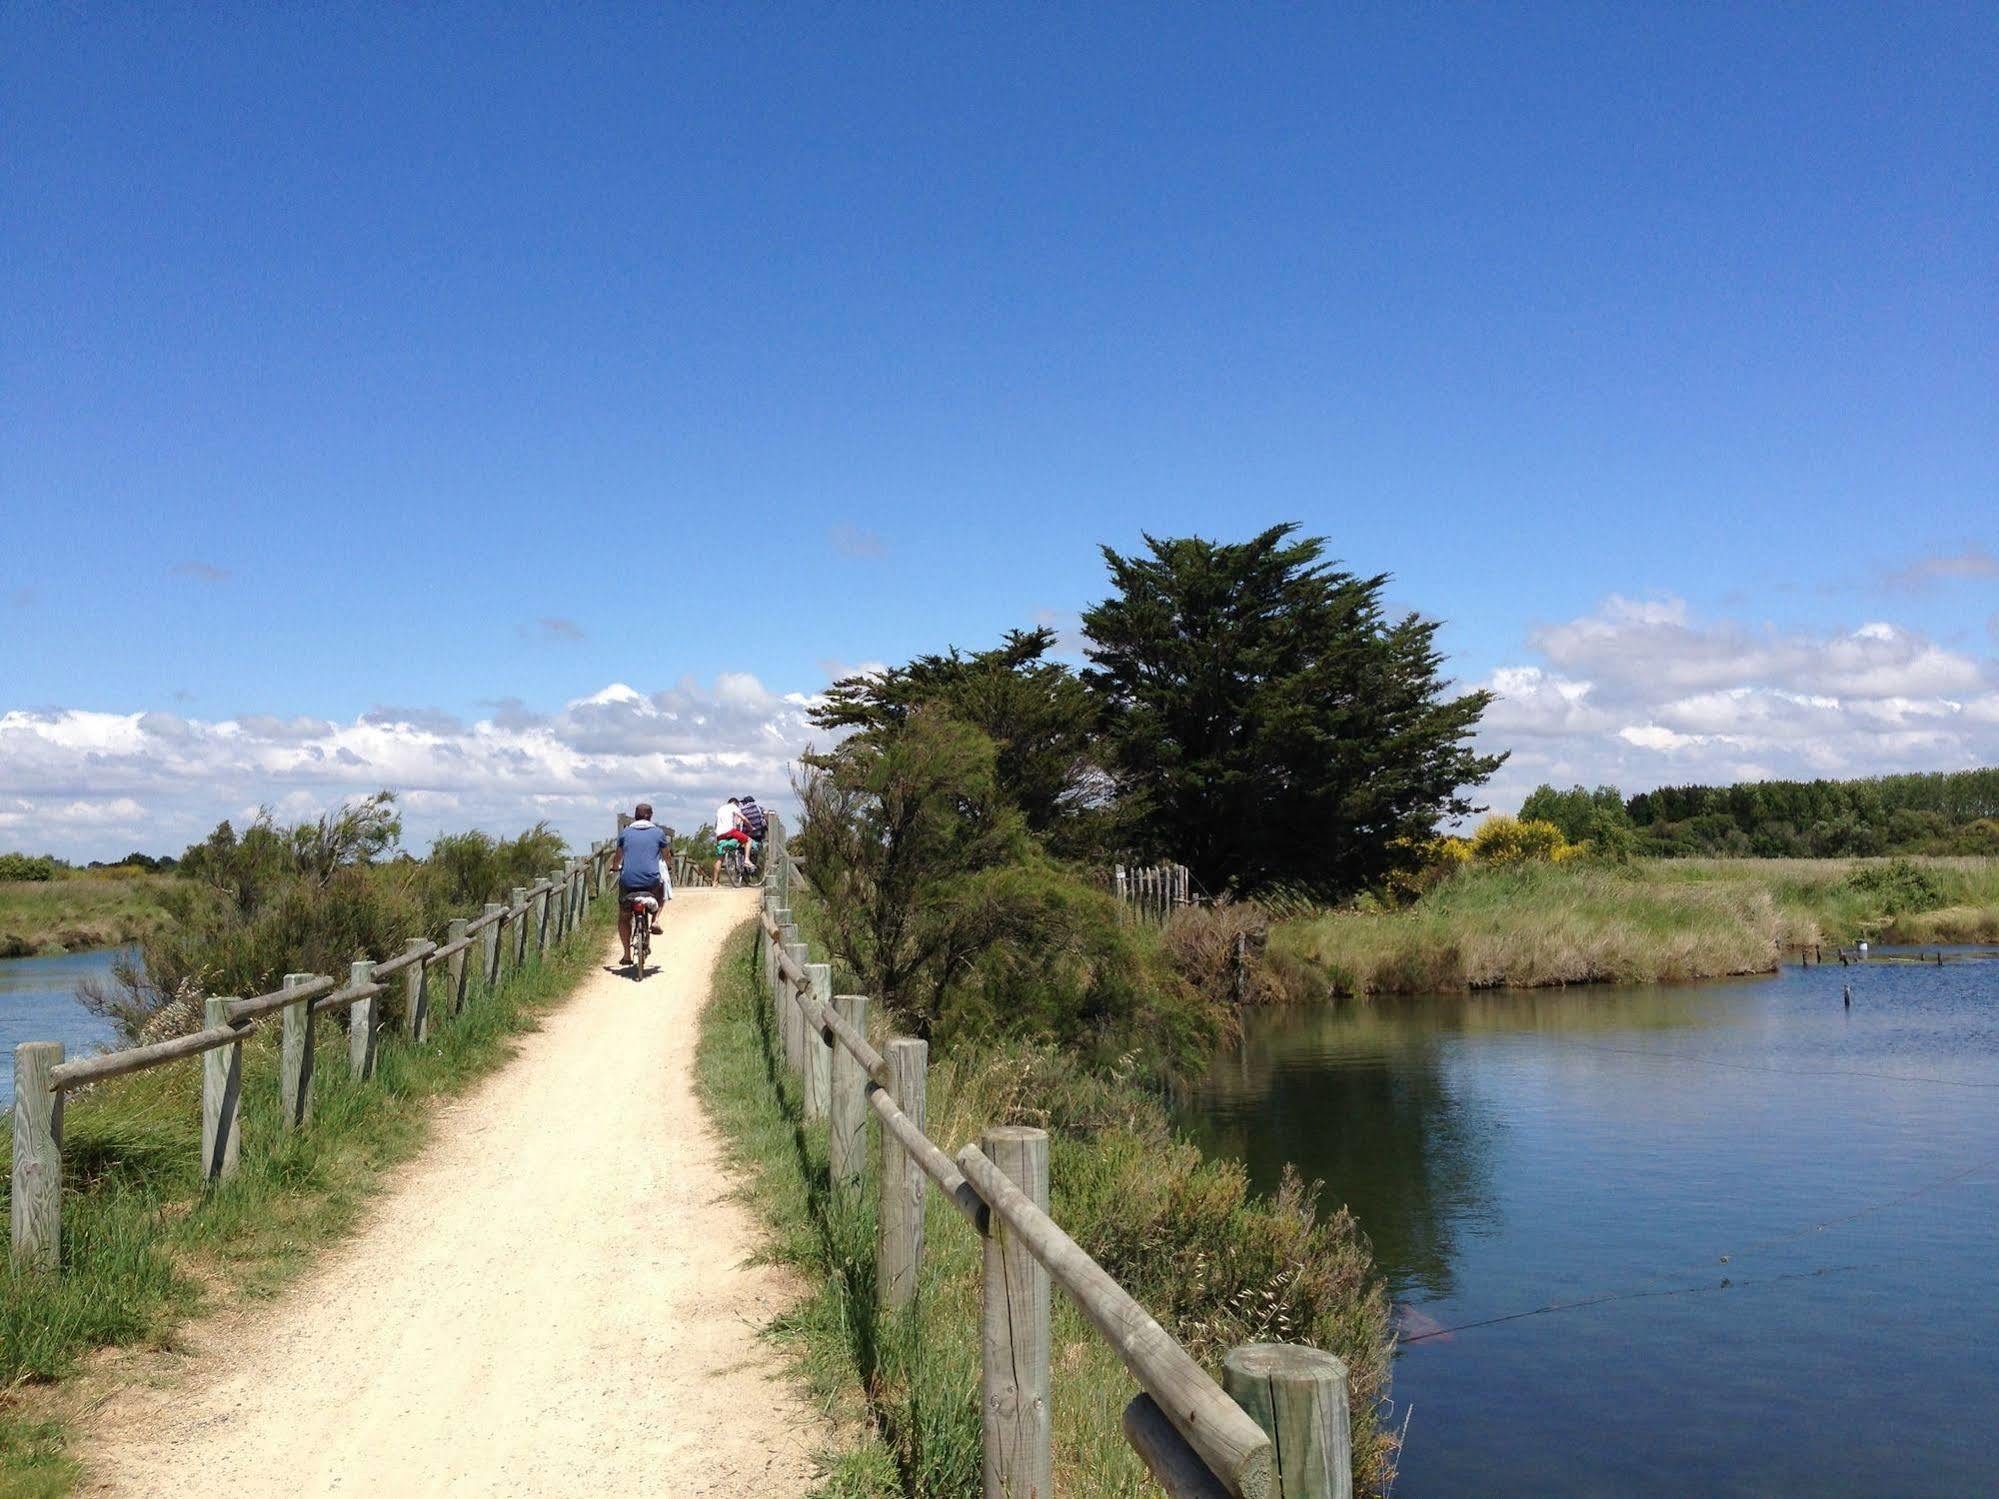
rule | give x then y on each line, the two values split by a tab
729	828
639	870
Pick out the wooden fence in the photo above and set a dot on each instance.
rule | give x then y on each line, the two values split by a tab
436	978
1276	1426
1153	891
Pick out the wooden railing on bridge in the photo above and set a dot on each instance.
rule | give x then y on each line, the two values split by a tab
1276	1426
505	936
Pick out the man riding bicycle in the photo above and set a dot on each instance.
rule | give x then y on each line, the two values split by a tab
637	863
731	827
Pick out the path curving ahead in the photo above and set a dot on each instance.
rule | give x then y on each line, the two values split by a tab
551	1300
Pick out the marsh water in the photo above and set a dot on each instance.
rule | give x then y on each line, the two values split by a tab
1725	1239
38	1003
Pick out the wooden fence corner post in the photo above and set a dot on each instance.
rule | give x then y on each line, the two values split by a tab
416	996
295	1059
1014	1384
457	965
899	1231
37	1179
222	1093
1299	1397
361	1026
847	1114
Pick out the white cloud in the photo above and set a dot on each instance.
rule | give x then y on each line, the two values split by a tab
89	784
1640	693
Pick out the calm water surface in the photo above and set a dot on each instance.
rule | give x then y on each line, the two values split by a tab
1718	1239
38	1003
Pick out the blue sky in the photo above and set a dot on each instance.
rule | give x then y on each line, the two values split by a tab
362	359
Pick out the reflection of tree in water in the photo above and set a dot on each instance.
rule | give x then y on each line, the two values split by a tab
1356	1095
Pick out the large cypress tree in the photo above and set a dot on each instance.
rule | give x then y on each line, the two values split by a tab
1268	723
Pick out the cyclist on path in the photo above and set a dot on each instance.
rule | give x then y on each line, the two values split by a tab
637	863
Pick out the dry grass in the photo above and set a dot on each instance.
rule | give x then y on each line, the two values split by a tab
80	912
1656	921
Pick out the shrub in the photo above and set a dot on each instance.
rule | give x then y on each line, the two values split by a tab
1899	887
27	867
1509	840
1202	942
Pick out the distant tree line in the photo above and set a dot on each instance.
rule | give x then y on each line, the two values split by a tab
1939	812
37	867
250	906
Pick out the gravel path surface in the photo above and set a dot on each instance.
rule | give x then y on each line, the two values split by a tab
552	1300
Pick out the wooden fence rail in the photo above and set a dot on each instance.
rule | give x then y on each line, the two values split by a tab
1277	1427
435	982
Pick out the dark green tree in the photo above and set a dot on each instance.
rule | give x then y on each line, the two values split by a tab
1267	721
1037	713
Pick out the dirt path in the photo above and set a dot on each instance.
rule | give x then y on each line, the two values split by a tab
552	1300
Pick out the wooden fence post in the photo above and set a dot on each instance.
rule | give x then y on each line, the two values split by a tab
456	964
295	1059
544	928
517	954
847	1138
361	1029
416	996
792	1025
1014	1384
899	1232
1299	1397
37	1199
222	1093
489	936
818	1050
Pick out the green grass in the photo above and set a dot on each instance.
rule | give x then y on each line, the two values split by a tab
1182	1234
144	1245
78	912
1652	921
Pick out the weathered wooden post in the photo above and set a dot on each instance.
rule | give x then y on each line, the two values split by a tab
899	1230
1014	1385
489	936
819	1050
787	1007
518	953
222	1093
813	1063
416	995
1299	1397
361	1028
37	1180
456	965
847	1108
295	1059
548	909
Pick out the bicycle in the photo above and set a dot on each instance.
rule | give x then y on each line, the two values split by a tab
642	905
730	852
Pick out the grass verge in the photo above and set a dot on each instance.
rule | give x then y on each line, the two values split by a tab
79	912
145	1246
1182	1234
1653	921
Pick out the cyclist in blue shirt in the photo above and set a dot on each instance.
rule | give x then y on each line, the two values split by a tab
637	863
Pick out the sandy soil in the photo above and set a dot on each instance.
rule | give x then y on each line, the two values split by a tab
552	1301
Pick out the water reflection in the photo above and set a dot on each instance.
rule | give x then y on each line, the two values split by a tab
1654	1213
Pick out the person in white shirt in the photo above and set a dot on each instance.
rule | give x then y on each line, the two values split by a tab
731	827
